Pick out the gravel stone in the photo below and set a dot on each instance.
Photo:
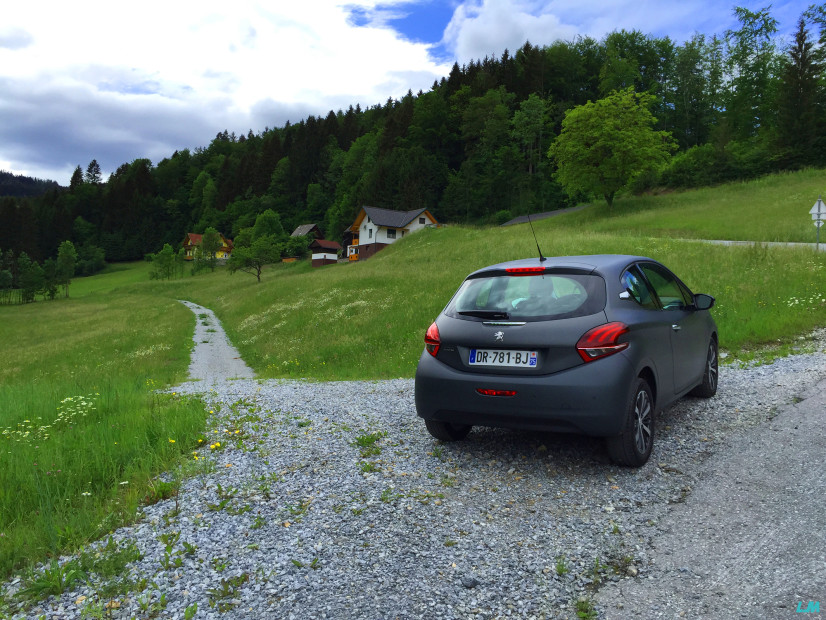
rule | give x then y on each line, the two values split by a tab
292	518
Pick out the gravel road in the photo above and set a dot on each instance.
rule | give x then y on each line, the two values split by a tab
330	500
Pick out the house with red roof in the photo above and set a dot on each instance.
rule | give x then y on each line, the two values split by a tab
324	252
193	240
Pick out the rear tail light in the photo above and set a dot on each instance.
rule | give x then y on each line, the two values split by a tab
487	392
432	341
602	341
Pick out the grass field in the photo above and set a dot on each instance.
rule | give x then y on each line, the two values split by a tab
83	431
772	208
368	320
66	477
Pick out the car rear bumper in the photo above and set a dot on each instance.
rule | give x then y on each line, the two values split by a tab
590	398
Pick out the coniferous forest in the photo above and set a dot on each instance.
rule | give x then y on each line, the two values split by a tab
474	148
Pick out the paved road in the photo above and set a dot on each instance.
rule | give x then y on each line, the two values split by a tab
750	540
771	244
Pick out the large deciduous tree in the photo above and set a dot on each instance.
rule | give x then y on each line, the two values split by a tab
259	245
605	144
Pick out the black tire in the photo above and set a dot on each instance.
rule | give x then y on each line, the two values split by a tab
708	387
445	431
633	445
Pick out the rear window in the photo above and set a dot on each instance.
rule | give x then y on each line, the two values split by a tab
526	298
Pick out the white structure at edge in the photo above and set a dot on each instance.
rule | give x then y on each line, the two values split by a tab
818	211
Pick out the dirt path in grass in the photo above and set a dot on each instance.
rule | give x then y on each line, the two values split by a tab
214	358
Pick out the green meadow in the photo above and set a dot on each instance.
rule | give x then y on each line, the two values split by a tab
83	431
72	470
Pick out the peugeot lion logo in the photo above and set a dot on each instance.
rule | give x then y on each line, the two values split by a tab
499	336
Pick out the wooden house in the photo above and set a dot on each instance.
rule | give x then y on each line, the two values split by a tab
193	240
324	252
307	229
376	228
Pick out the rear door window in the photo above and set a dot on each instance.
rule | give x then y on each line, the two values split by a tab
532	297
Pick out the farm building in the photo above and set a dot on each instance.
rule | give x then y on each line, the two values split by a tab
307	229
324	252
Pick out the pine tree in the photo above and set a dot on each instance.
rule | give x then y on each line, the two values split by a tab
77	179
93	173
799	125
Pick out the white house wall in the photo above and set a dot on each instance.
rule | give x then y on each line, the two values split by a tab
415	225
370	233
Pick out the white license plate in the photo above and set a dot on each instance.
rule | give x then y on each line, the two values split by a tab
499	357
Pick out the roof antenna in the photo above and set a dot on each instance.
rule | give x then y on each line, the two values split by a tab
541	258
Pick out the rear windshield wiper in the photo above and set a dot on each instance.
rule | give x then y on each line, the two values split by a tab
486	314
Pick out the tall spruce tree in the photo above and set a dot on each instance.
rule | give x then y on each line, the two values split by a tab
93	174
800	101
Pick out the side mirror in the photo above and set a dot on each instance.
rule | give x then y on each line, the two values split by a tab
703	302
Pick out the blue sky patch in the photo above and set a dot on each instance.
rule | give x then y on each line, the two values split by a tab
421	21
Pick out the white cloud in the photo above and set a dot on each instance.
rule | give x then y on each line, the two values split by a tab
191	66
488	28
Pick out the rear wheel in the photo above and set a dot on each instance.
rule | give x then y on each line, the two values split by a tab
633	445
708	387
446	431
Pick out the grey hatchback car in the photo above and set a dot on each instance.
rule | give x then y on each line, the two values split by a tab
583	344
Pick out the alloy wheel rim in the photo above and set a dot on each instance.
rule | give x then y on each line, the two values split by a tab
642	421
712	367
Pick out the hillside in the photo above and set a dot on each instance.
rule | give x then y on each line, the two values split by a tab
473	149
367	320
19	186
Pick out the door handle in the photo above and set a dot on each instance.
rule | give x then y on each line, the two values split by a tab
676	327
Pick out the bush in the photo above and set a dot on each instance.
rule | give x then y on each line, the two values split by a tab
708	164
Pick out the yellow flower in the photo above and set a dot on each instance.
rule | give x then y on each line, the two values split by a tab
171	441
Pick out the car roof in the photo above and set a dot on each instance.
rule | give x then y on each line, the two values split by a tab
601	263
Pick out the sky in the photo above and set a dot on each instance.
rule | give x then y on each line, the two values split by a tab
116	81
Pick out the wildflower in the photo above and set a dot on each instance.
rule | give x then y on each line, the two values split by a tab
171	441
124	482
86	493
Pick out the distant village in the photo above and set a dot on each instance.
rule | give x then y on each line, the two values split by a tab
372	230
